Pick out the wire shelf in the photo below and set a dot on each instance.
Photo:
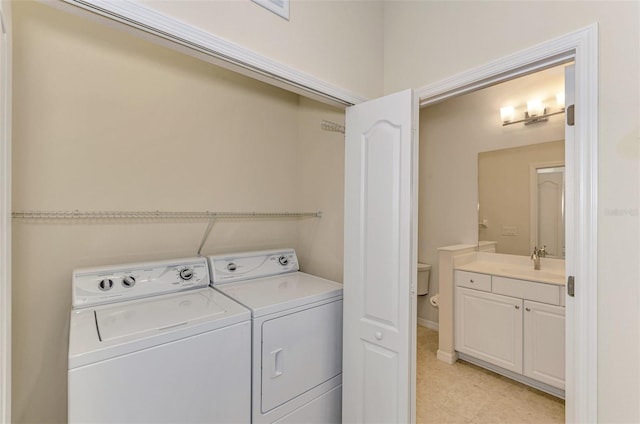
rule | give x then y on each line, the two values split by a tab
154	215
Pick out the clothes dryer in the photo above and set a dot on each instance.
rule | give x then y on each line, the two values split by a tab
297	335
151	342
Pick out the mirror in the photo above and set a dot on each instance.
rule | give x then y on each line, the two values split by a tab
521	198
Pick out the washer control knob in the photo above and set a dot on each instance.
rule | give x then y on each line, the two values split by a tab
231	266
128	281
105	284
283	260
186	274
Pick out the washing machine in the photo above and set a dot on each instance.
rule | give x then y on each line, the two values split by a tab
152	342
297	335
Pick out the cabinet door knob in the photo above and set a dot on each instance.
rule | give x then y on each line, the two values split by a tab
527	309
471	281
517	307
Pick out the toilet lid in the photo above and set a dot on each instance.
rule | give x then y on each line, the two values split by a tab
423	267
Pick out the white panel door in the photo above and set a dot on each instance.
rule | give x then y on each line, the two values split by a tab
380	260
489	327
544	339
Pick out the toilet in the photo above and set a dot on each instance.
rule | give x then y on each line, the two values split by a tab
424	270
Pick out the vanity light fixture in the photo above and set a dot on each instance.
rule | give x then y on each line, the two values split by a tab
536	112
506	113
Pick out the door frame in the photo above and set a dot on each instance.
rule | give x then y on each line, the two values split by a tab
580	46
5	212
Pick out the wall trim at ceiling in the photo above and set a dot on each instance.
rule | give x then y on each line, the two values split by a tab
582	195
188	39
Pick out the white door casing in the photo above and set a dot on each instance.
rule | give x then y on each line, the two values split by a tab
380	269
5	212
581	197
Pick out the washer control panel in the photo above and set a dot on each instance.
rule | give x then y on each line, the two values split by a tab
117	283
249	265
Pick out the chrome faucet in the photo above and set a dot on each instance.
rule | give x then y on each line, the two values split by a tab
536	255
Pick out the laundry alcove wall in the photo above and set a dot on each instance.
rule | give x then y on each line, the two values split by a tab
106	121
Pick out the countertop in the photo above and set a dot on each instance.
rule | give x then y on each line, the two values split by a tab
517	271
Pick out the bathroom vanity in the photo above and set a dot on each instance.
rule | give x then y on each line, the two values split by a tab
509	318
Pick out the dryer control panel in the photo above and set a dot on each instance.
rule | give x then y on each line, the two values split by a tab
118	283
249	265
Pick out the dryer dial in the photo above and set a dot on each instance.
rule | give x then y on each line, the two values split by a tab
284	261
231	266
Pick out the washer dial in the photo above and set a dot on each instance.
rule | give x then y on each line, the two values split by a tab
186	274
283	260
128	281
231	266
105	284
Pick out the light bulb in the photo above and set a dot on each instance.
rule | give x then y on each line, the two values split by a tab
506	114
535	107
560	100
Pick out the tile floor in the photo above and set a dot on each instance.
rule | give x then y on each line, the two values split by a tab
465	393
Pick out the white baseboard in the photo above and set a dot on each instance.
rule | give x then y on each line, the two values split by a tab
449	358
423	322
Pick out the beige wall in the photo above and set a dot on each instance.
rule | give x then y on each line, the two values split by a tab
337	41
452	133
104	121
430	40
504	193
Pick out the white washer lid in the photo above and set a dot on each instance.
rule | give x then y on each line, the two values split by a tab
274	294
104	332
157	315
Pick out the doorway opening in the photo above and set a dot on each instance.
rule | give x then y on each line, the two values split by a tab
474	187
581	200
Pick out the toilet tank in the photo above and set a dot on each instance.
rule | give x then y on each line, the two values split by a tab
424	270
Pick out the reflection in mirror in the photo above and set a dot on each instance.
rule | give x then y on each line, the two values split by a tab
519	207
547	209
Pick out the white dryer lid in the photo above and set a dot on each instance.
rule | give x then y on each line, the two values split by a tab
274	294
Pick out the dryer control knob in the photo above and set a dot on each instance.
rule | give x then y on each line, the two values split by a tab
231	266
128	281
283	260
105	284
186	274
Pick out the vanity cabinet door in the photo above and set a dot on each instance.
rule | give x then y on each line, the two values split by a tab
489	327
544	343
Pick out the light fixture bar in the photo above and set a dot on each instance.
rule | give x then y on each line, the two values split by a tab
533	119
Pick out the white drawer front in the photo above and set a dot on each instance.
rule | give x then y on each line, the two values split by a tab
473	280
528	290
